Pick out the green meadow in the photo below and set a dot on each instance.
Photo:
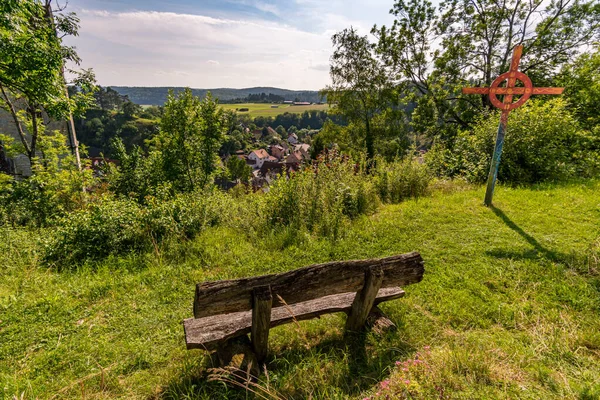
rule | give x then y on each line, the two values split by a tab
272	110
509	307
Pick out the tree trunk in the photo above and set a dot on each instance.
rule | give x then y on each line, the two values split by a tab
74	143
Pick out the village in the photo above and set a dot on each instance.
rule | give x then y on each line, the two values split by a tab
269	163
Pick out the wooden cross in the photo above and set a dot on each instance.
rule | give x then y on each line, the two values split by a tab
506	105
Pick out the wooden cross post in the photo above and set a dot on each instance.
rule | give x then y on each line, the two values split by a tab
506	105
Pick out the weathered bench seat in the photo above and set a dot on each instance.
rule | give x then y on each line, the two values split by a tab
228	309
206	333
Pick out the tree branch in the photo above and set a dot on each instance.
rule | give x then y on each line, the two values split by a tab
13	112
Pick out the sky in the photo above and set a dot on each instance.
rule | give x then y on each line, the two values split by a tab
217	43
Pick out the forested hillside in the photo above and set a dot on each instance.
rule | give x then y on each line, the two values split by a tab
158	95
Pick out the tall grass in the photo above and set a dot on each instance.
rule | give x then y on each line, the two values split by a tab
322	197
400	180
318	200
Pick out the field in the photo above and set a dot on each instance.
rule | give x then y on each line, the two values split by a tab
266	110
509	308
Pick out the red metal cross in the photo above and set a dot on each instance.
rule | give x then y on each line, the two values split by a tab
510	89
507	105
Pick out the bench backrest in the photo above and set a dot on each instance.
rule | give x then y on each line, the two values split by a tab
308	283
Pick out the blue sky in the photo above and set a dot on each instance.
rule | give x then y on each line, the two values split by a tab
217	43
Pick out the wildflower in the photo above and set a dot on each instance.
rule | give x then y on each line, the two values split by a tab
398	363
385	384
426	347
406	382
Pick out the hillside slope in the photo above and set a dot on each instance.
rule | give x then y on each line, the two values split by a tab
509	308
158	95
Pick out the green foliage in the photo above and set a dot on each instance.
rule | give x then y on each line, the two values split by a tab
191	133
138	175
359	84
54	189
118	226
581	80
475	46
504	309
32	57
321	198
237	169
543	142
130	110
401	179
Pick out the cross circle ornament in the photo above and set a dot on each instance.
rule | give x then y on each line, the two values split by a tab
511	77
506	105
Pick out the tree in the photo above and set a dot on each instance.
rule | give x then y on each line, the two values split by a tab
32	58
475	41
130	109
280	130
190	136
581	80
109	99
358	83
237	169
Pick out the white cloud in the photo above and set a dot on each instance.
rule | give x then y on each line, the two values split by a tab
147	48
267	7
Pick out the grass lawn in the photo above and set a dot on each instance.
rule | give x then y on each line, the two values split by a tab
509	307
267	110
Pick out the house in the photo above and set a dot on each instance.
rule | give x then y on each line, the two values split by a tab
277	151
294	158
271	132
19	165
257	135
241	154
302	103
304	149
271	170
259	157
292	138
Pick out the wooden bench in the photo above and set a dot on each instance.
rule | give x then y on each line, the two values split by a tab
224	310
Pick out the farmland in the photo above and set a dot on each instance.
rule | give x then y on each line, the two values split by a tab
268	110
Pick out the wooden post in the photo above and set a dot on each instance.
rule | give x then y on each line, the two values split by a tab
261	321
364	300
495	164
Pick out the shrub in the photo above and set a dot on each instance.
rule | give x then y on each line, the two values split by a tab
401	179
113	227
321	197
40	199
543	142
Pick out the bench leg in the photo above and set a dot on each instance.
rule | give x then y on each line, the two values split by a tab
364	300
379	322
237	358
261	321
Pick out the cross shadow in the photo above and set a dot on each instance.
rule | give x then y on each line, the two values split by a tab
538	248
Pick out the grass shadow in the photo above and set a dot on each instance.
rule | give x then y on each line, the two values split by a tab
538	251
359	360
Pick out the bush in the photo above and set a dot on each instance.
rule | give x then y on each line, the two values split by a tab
543	142
113	227
401	179
321	197
40	199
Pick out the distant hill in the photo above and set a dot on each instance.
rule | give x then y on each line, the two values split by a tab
158	95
